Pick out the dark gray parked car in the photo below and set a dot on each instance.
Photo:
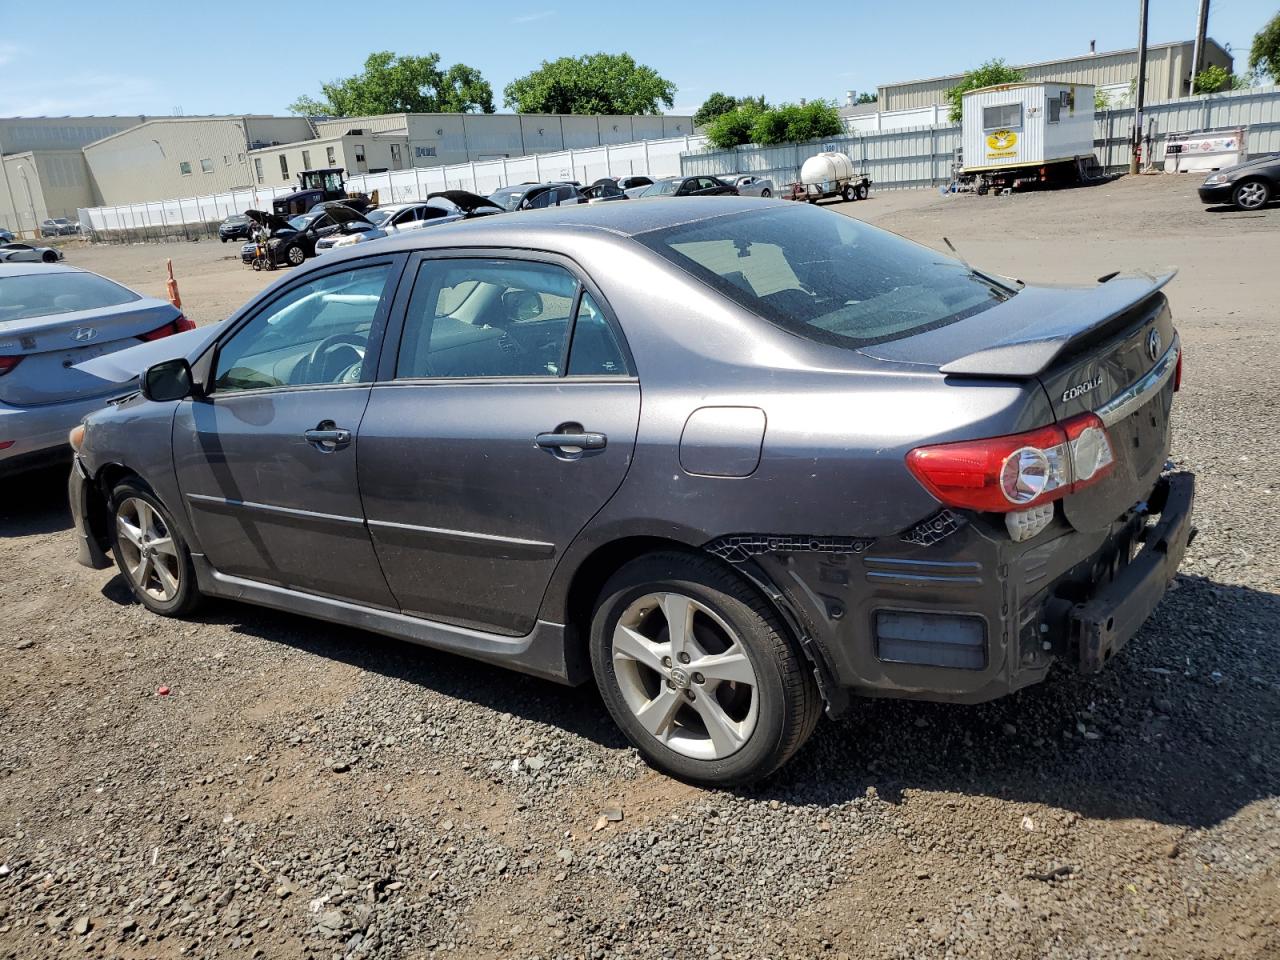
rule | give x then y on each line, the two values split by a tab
736	460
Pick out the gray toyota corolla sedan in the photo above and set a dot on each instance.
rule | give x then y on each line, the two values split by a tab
737	461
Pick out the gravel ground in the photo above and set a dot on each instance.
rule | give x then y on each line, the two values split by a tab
251	784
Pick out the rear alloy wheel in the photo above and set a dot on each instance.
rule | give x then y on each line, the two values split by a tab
698	672
150	552
295	255
1251	195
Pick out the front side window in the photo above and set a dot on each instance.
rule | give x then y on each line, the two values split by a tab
316	333
826	277
487	318
1002	116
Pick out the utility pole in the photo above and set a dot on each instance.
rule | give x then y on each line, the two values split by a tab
1197	53
1140	96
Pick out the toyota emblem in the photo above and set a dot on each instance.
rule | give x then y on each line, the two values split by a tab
1153	344
83	334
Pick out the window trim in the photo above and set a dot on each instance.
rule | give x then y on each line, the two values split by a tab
394	334
206	364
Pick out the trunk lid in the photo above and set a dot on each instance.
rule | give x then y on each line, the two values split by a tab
1109	349
52	346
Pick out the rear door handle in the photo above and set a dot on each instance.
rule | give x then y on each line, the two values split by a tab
583	441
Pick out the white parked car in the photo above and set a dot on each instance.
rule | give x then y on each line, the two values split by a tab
749	185
27	253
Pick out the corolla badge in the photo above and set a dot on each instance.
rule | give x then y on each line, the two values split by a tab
1080	389
83	334
1154	344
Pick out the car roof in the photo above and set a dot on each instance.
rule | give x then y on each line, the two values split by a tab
22	269
557	226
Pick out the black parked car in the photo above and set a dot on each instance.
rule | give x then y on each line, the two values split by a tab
289	241
535	196
235	227
1249	186
690	187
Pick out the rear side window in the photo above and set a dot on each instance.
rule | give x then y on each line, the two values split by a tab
47	294
824	276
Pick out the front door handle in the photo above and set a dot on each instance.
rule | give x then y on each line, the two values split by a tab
328	436
582	441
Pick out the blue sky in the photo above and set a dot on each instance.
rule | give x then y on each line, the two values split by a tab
77	57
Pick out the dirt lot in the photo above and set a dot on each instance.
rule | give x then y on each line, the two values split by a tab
308	791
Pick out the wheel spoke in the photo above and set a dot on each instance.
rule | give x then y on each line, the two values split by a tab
145	520
141	573
726	735
633	645
129	532
656	715
164	545
167	579
732	665
678	610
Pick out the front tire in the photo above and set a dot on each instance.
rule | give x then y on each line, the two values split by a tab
295	255
150	551
699	672
49	257
766	193
1252	195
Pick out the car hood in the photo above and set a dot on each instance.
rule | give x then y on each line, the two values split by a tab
341	213
125	365
1271	159
1024	335
469	203
272	221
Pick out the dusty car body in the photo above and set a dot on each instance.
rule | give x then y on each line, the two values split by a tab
739	461
441	207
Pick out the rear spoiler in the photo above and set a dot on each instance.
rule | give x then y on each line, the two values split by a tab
1030	352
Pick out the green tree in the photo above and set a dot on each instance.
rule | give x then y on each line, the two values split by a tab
718	104
868	98
394	84
988	74
1101	99
1264	55
733	128
593	83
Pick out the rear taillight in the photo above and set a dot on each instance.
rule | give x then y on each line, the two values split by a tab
7	363
1177	373
180	325
1015	472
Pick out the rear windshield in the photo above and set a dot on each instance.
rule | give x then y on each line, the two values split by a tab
46	294
825	276
509	198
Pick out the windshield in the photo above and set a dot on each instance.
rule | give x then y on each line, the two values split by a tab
825	276
662	188
47	294
237	218
509	197
376	217
301	220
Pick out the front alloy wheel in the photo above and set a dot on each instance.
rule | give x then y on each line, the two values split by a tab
1252	195
699	672
150	552
296	256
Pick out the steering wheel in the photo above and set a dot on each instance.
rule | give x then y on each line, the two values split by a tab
320	362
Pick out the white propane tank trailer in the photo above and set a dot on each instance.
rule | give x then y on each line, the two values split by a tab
830	174
1027	134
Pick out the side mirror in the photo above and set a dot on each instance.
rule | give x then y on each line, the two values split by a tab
168	380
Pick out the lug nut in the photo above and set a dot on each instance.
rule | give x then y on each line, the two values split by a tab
684	658
699	678
666	661
690	695
671	685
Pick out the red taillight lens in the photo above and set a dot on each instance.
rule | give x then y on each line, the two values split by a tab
7	363
180	325
1016	472
1177	373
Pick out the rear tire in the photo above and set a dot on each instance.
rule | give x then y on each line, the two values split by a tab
49	257
150	552
295	255
1251	195
766	193
726	697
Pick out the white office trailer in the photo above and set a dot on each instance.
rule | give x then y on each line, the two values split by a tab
1026	124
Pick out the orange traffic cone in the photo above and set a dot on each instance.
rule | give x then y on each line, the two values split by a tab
172	286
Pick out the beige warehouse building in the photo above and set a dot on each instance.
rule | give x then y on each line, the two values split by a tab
1168	75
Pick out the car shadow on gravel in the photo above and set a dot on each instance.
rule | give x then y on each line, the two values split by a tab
1183	727
35	502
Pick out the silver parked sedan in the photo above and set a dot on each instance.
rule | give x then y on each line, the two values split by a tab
749	185
51	318
737	461
18	252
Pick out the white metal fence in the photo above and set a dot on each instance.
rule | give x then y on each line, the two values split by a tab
924	156
199	215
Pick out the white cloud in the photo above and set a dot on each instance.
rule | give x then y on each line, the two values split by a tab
530	17
80	94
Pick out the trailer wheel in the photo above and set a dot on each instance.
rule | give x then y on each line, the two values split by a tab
850	194
862	191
